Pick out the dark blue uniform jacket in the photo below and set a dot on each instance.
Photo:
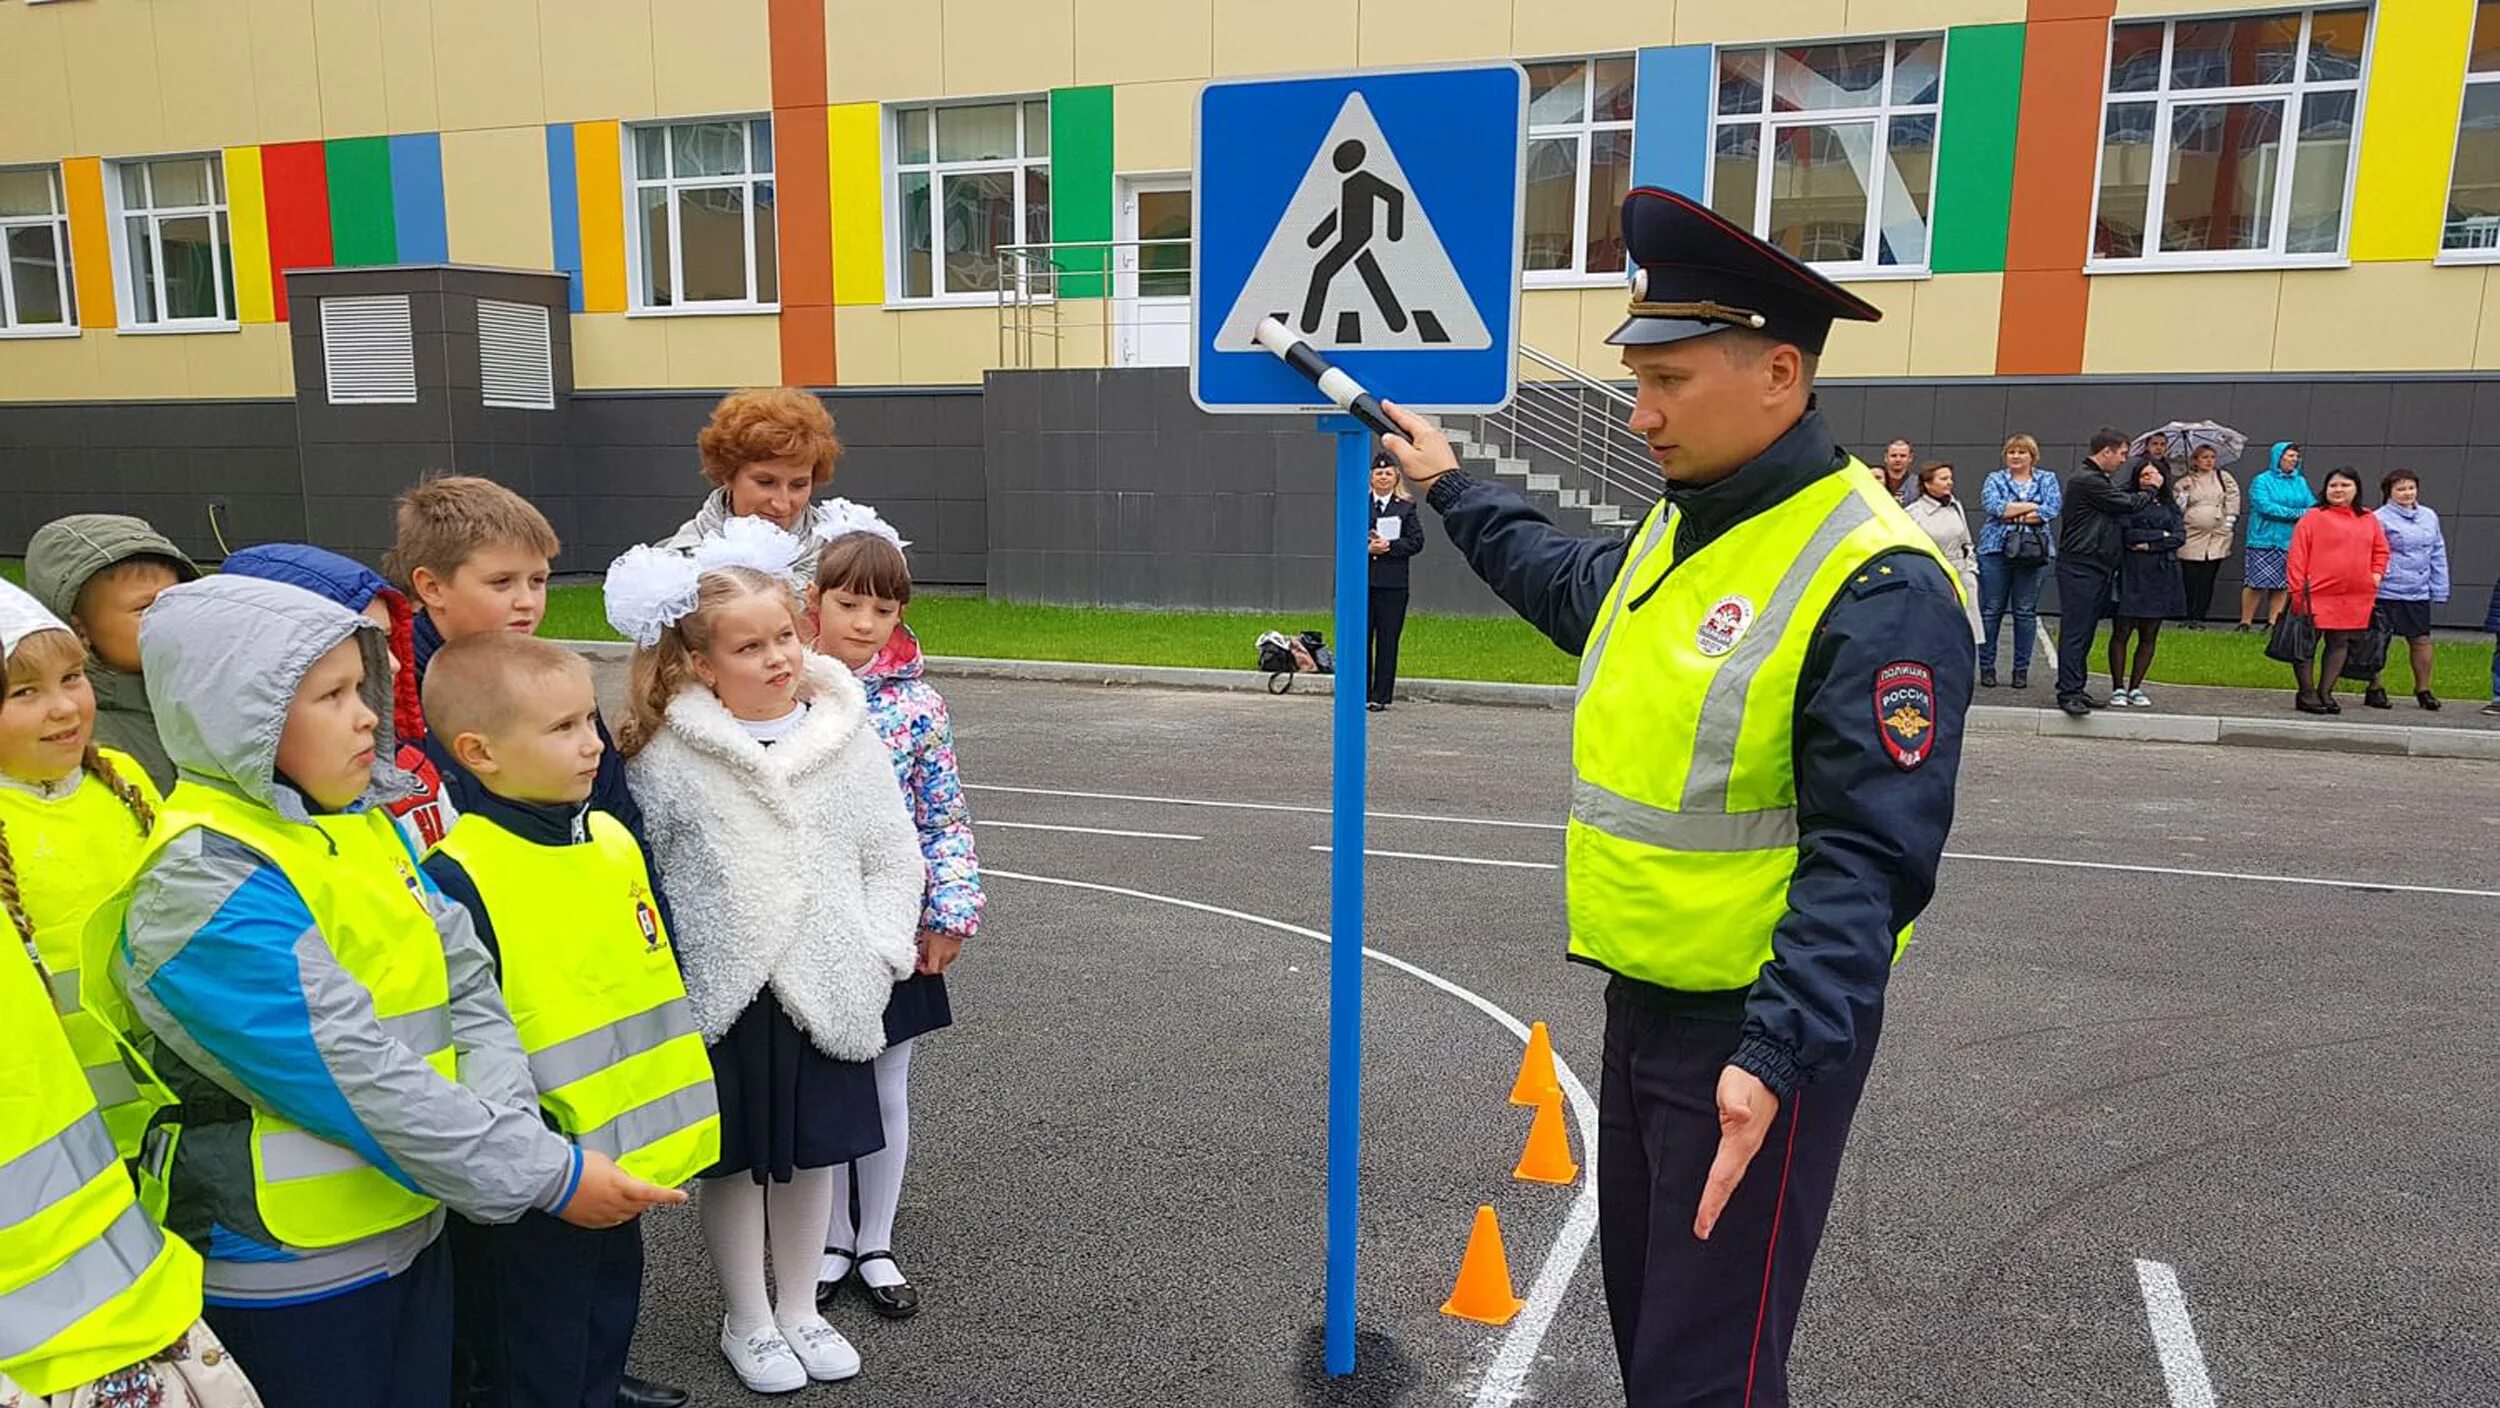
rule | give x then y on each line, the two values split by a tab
1871	831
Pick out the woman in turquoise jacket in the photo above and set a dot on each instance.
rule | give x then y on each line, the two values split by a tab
2276	500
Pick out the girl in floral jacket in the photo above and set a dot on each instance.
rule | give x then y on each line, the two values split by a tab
862	584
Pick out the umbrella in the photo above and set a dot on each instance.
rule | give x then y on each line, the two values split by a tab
2188	436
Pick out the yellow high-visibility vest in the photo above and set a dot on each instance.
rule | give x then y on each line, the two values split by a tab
592	984
1683	833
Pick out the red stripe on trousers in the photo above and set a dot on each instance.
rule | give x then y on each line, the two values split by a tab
1762	1310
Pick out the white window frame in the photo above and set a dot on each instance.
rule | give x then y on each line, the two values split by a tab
898	248
2489	254
1768	123
58	222
221	230
637	271
2162	98
1584	132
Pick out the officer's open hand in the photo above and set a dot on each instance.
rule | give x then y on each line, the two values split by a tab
1746	1109
608	1195
1423	453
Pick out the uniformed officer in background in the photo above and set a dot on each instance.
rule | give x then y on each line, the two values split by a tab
1774	671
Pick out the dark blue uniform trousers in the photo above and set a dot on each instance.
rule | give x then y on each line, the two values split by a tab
1706	1324
547	1311
386	1345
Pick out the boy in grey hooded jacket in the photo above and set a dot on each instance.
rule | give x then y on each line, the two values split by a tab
98	571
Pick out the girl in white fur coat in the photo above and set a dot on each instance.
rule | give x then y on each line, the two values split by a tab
794	877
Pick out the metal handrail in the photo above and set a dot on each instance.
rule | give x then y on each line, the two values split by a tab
1032	310
1580	422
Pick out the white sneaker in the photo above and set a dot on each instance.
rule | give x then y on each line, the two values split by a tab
765	1361
2142	700
827	1356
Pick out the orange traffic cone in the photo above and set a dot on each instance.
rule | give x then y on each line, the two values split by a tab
1536	1070
1483	1291
1547	1159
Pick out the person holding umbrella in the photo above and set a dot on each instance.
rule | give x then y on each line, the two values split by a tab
2209	504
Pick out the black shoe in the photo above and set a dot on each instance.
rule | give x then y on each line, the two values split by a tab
1375	706
2242	629
2089	702
2331	706
2426	699
2309	704
2493	708
2377	698
2075	705
1987	679
2022	679
893	1302
642	1393
827	1292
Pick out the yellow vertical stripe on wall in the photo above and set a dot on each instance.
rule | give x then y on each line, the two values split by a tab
599	193
2409	128
248	222
855	150
90	241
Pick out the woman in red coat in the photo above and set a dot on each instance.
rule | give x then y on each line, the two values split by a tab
2339	556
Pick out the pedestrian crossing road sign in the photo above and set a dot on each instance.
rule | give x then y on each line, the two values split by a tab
1377	215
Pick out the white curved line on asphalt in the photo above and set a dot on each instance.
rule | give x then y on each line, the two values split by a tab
1506	1378
1086	831
1257	806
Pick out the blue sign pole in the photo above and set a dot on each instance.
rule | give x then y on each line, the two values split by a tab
1345	875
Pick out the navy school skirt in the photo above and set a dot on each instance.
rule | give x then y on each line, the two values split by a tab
784	1105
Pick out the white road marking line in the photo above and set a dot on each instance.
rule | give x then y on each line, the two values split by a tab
1257	806
1506	1378
2325	882
1458	860
1085	830
2174	1336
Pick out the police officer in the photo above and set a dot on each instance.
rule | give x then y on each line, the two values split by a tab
1774	671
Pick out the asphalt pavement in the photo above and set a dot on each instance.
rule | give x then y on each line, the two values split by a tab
2223	1011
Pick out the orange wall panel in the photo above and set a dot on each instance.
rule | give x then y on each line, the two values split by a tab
2040	323
90	241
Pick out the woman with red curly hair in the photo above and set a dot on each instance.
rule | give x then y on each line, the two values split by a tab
766	452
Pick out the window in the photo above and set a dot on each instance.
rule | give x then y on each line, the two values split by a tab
177	259
1850	136
968	179
35	290
702	226
2474	183
1579	164
2230	141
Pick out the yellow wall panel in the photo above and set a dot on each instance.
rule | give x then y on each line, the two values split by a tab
1901	16
854	156
711	58
599	199
725	351
1953	325
248	222
1549	321
2182	322
90	242
495	197
487	64
1141	41
1283	36
2378	318
876	50
110	53
1751	21
140	366
598	59
1007	46
946	346
1152	125
50	368
257	361
35	75
408	66
1543	27
2409	129
285	69
1426	31
612	352
867	346
347	39
1876	349
204	60
1602	310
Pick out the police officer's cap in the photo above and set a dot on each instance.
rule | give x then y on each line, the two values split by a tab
1693	273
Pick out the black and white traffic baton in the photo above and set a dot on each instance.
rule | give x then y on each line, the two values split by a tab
1332	380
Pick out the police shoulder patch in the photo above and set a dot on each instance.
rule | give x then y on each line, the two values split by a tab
1905	712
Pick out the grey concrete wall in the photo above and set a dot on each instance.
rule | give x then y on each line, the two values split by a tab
166	462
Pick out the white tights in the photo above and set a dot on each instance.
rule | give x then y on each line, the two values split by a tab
880	1175
741	1218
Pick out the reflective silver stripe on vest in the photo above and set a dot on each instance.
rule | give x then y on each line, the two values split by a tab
38	1312
584	1056
1619	816
649	1123
113	1085
42	1176
291	1154
1722	721
424	1032
64	991
1623	587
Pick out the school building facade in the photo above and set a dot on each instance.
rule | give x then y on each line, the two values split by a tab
542	232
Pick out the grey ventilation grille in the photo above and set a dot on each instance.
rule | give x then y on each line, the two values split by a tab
369	356
515	358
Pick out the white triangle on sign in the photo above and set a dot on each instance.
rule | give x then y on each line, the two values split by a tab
1391	286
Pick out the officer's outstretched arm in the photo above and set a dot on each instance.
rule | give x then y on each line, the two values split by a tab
1879	745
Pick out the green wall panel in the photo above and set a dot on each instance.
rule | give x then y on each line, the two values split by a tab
1080	185
1974	192
363	229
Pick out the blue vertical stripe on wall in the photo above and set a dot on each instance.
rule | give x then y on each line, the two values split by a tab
564	205
417	198
1671	119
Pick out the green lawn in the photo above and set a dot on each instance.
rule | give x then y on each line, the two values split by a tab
2460	669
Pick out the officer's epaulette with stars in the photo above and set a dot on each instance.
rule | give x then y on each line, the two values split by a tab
1881	576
